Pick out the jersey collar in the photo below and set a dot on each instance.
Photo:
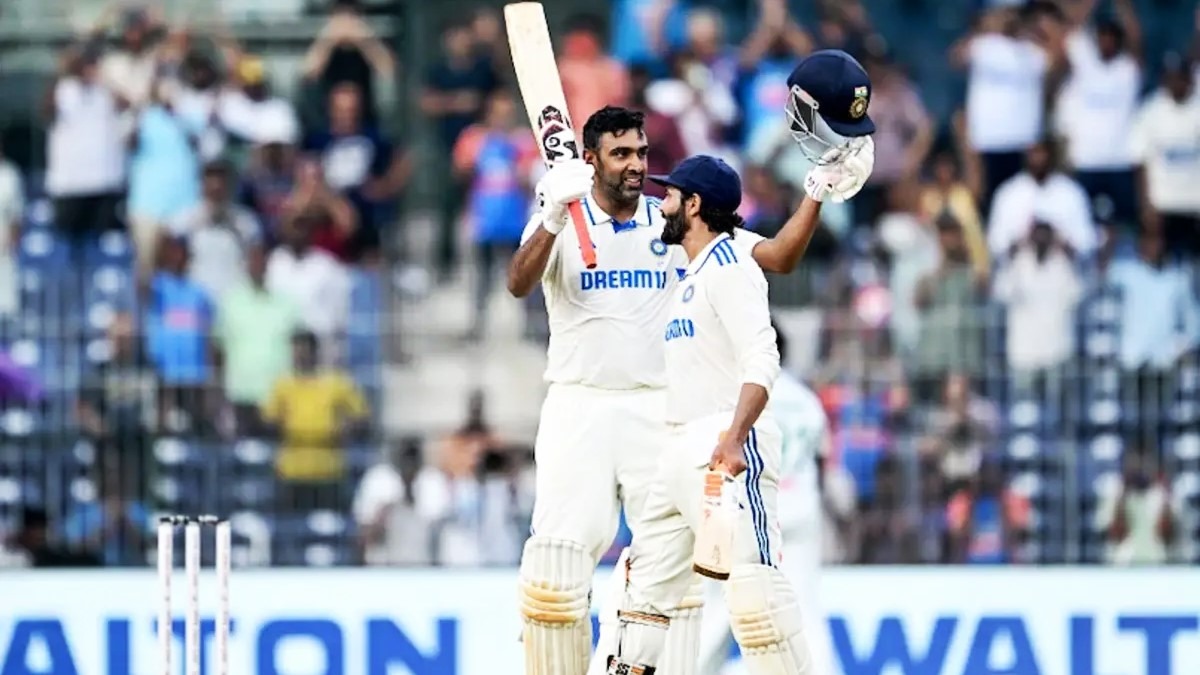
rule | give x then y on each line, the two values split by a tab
597	216
723	256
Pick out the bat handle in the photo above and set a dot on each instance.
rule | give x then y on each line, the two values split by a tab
586	247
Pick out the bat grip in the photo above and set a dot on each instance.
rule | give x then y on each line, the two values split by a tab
586	247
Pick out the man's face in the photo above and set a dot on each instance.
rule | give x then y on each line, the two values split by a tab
304	357
256	265
674	210
1037	161
620	162
215	188
1150	248
344	108
1108	44
1042	236
1178	85
951	241
458	42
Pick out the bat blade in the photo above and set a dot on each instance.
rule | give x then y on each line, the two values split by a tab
545	104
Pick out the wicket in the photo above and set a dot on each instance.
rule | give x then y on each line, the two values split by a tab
192	528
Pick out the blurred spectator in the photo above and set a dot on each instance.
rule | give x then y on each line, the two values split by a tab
1137	514
903	136
334	219
176	324
1042	289
315	411
219	232
1096	106
32	546
361	164
768	56
496	156
591	79
984	518
889	537
312	279
1041	193
767	204
932	533
12	210
85	147
952	190
839	511
267	185
845	25
115	526
911	244
251	112
347	51
668	148
707	44
164	180
1165	145
391	532
131	69
643	30
1006	78
454	94
253	335
951	325
491	42
1160	324
702	107
119	403
501	525
960	431
194	97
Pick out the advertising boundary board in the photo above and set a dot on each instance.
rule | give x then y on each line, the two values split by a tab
358	621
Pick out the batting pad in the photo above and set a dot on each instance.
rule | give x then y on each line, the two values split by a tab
681	652
765	617
556	577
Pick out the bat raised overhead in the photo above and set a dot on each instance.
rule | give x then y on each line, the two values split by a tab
542	92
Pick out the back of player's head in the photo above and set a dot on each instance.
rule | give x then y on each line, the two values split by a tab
610	120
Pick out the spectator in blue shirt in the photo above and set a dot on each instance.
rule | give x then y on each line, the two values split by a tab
113	526
177	322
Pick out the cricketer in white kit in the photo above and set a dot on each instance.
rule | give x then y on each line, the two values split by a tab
805	428
722	362
602	423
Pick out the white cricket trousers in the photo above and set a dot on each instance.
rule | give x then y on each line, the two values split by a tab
595	449
661	555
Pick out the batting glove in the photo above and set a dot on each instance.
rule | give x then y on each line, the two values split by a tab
568	181
843	172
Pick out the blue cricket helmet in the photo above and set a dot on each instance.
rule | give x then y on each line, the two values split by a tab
829	94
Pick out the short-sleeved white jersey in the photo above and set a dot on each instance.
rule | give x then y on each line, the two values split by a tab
606	324
802	421
719	335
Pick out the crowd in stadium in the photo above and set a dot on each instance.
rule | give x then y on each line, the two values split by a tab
1003	325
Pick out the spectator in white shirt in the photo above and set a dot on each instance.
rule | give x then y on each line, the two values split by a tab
219	231
391	532
1096	107
1041	193
700	104
1137	514
12	207
1166	142
314	280
85	147
1005	86
249	110
1041	288
194	100
130	70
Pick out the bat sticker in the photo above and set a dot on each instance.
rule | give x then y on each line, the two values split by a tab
557	138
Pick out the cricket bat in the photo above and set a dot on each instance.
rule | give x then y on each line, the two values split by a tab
712	555
541	89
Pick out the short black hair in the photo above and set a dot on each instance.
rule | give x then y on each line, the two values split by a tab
219	168
586	23
611	119
306	338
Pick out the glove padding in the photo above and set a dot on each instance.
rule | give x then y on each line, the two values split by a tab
842	173
566	182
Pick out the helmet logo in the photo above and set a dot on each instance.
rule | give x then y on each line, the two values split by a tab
858	107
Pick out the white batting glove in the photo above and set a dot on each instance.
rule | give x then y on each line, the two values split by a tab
845	174
568	181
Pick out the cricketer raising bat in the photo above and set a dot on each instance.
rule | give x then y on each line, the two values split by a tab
541	89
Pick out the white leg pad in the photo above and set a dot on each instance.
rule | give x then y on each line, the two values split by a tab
556	577
766	621
682	649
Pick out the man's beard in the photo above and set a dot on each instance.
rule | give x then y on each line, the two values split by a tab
674	229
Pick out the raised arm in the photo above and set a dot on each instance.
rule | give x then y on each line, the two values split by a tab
781	253
531	259
566	182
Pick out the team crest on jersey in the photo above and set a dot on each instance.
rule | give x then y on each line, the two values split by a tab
658	247
688	293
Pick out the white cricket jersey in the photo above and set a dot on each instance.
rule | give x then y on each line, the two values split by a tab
719	336
606	324
802	421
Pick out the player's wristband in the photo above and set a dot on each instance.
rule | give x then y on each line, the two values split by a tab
554	221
